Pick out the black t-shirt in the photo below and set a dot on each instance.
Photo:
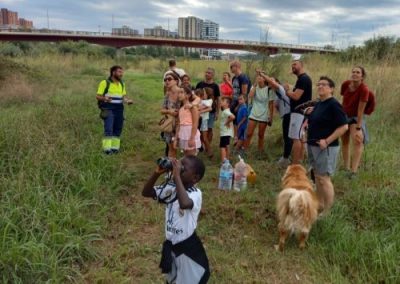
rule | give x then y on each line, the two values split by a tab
237	84
303	83
324	119
215	87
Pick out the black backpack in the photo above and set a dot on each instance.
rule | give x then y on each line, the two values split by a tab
101	104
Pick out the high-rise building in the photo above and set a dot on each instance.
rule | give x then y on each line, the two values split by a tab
190	28
210	31
9	19
124	31
157	31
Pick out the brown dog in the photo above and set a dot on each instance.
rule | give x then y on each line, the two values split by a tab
297	206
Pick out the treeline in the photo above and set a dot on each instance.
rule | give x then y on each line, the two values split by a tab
15	49
376	49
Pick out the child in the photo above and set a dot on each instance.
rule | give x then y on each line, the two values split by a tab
241	121
183	256
226	127
205	108
187	134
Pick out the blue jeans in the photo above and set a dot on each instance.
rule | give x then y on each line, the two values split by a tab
114	122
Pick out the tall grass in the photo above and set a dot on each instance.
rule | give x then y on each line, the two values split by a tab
70	214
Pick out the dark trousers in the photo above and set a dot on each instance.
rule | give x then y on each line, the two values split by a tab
287	142
114	122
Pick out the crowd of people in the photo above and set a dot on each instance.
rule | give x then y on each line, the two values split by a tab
189	116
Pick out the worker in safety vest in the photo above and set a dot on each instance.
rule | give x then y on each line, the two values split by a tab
111	96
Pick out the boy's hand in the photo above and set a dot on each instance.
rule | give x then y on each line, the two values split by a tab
129	101
159	170
228	125
176	168
175	144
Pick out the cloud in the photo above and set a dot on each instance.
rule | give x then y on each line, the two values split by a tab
289	21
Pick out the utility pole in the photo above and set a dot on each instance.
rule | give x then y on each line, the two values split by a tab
48	21
168	28
112	23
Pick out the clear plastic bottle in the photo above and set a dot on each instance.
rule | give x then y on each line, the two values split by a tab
240	176
225	176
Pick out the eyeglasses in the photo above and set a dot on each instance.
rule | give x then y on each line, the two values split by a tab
322	84
168	79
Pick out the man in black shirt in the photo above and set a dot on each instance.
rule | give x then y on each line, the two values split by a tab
302	92
210	83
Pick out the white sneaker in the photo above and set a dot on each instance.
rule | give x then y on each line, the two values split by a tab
283	162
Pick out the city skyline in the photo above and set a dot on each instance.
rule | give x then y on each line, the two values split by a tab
315	22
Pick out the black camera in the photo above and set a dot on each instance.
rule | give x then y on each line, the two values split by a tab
165	163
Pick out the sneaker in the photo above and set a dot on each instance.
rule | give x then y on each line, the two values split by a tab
115	151
283	162
108	152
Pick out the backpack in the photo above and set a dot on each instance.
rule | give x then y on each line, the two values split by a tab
101	104
370	107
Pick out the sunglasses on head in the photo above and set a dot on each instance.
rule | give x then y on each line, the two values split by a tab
168	79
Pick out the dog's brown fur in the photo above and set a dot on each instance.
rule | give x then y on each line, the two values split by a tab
297	206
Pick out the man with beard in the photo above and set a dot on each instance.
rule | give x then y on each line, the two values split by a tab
302	92
216	106
111	96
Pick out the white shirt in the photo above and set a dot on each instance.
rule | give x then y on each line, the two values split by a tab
180	224
206	103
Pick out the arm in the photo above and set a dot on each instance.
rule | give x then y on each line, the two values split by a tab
360	113
296	95
218	108
271	83
102	98
242	121
324	143
229	120
252	92
244	88
148	189
183	198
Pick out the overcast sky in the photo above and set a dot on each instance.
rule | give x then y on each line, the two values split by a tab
317	22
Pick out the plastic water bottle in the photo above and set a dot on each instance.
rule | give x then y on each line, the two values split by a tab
225	176
240	177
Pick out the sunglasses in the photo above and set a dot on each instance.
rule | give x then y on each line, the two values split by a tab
168	79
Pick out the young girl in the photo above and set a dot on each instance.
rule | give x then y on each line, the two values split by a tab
205	108
187	134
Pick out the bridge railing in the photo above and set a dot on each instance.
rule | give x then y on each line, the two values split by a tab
222	41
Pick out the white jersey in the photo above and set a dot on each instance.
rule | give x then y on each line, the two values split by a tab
180	224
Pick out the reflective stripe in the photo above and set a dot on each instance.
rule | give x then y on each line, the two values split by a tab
115	143
116	99
107	142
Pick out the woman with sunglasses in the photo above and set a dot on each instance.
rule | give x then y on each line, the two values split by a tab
327	121
171	107
187	133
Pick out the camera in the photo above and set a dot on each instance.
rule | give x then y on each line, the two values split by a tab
165	163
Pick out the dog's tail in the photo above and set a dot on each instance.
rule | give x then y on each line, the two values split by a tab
297	209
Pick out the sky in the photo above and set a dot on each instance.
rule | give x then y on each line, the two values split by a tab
315	22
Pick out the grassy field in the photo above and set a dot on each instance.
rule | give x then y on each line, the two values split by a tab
70	214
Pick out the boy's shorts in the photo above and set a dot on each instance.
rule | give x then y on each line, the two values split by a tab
204	125
296	122
224	141
242	133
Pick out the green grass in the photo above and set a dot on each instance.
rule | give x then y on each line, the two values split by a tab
70	214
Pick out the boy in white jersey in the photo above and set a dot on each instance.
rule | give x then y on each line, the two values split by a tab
184	259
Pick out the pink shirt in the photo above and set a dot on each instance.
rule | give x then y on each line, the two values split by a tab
185	116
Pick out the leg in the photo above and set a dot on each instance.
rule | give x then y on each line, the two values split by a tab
223	154
358	147
117	130
325	192
297	151
204	135
108	132
346	150
302	239
250	131
287	142
211	121
283	234
261	133
171	150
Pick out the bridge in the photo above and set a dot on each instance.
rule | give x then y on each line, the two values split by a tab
117	41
